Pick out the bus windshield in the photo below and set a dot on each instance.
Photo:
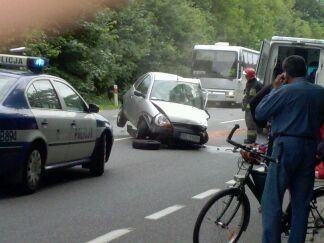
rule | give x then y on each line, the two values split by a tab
215	64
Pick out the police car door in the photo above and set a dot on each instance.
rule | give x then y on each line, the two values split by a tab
83	126
48	113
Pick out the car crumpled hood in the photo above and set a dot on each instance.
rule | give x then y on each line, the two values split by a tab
183	113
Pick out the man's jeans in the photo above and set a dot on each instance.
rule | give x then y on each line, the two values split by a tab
296	173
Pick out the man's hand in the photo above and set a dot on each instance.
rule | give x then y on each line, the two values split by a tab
280	80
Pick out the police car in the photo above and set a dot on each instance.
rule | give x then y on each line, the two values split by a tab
45	124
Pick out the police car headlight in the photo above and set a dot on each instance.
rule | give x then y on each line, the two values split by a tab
162	121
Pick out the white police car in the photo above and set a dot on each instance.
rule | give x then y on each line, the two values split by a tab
45	124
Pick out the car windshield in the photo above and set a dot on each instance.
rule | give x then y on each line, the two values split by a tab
5	84
178	92
215	64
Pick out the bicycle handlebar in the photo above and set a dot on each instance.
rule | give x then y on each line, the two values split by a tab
244	147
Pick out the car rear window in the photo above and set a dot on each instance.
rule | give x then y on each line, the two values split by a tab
5	84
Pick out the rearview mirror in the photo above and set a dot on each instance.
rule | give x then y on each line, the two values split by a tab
93	108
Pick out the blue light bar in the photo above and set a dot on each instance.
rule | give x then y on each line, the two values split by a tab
35	64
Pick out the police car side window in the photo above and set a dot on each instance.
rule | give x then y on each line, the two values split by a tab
41	94
72	100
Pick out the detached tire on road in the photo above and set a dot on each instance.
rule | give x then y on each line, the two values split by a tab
146	144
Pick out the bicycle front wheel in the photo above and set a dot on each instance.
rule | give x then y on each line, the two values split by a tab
223	218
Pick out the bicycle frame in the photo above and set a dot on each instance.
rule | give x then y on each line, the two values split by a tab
247	180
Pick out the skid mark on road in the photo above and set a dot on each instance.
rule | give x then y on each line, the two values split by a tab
113	235
206	194
164	212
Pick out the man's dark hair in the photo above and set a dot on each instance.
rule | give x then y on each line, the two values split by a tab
295	66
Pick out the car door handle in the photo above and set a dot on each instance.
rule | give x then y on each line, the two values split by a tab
73	124
44	123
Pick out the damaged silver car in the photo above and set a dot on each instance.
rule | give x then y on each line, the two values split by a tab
167	108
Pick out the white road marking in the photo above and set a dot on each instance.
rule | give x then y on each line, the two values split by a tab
206	194
164	212
111	235
260	169
217	149
120	139
232	121
231	182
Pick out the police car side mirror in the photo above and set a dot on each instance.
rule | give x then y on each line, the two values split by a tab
93	108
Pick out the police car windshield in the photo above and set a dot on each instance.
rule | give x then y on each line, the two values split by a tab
5	84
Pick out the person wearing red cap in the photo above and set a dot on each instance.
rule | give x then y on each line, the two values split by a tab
253	86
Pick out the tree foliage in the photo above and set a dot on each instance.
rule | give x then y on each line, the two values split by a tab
116	46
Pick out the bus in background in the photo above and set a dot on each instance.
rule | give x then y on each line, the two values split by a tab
220	69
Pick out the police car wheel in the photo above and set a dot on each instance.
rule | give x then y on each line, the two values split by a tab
121	119
97	166
33	170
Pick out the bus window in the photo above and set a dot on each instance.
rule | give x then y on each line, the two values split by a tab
215	63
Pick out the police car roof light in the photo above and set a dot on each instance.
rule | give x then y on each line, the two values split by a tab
34	64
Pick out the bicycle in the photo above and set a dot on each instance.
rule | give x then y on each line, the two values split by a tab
226	215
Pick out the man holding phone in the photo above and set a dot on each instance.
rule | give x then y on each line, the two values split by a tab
295	111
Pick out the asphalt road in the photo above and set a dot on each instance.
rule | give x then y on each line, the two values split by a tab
143	197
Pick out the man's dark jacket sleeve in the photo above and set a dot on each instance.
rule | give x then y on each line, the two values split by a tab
256	100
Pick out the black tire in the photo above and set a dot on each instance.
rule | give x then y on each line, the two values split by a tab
232	204
146	144
97	166
121	119
33	170
316	215
142	129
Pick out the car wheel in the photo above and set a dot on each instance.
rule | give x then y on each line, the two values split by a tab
146	144
97	166
142	129
121	119
33	170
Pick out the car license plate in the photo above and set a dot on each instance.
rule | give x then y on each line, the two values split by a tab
190	137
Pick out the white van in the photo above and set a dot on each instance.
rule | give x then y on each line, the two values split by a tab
275	51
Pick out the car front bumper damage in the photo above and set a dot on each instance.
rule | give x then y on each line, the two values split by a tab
183	133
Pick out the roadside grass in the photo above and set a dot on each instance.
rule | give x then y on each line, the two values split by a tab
103	102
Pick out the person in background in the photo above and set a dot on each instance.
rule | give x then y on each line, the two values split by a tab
253	86
295	111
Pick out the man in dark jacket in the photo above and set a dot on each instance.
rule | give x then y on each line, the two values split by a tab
253	86
295	111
